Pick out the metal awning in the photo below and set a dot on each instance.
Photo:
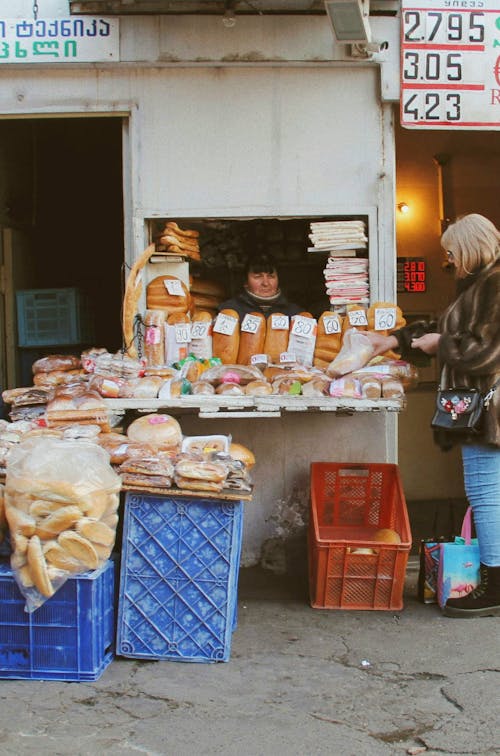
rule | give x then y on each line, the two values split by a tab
208	7
215	7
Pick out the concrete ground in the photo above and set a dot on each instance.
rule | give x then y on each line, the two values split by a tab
299	681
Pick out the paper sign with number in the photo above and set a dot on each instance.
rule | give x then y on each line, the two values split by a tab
182	333
199	330
259	359
225	324
250	324
280	322
385	318
287	357
174	287
357	318
331	324
305	327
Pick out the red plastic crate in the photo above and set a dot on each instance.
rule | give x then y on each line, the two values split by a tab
349	502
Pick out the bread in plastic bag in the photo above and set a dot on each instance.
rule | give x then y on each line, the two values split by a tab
355	352
61	502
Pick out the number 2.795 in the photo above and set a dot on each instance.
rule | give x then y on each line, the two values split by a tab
450	27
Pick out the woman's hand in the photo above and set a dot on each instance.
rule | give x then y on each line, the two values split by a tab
428	343
381	343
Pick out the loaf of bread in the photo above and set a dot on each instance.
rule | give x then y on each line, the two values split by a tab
329	338
226	336
393	323
154	337
158	296
277	334
201	335
159	430
252	337
355	317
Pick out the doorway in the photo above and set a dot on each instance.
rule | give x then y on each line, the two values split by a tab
61	218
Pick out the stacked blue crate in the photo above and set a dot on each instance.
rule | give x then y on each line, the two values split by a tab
179	578
70	637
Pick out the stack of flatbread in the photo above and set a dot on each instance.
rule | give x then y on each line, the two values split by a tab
341	238
346	280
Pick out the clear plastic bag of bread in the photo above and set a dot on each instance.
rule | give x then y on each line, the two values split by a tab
355	353
61	505
3	520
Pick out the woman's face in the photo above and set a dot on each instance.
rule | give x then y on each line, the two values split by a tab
262	284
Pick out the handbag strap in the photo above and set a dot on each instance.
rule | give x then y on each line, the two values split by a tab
486	398
466	531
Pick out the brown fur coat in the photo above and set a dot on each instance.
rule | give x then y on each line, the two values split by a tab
470	341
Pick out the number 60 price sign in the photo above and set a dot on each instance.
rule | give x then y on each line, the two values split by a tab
450	64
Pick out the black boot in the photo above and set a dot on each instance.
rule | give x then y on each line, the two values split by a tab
483	601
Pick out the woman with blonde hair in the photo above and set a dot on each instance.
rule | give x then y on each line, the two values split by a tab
467	342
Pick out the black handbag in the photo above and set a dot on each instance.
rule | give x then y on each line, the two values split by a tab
458	414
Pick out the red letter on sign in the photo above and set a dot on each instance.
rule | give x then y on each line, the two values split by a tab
495	96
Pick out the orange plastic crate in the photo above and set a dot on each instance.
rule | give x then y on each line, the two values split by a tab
349	502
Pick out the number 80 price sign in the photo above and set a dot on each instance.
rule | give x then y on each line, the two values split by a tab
450	64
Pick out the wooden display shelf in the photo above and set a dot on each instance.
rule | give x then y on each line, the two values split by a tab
181	493
253	406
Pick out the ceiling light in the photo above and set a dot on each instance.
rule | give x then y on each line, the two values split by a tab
403	208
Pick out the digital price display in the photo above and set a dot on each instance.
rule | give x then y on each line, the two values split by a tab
450	64
411	274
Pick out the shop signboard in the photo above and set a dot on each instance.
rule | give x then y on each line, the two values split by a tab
450	64
59	40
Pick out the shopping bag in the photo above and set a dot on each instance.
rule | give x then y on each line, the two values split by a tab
428	569
458	571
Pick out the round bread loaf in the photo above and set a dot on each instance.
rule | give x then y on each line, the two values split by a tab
159	298
161	431
242	453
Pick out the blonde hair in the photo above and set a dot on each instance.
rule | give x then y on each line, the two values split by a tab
474	242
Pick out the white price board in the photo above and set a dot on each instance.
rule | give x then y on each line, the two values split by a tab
450	64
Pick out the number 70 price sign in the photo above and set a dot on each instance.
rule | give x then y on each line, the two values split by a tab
450	64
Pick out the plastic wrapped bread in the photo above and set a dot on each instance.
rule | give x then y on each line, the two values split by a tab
61	499
154	337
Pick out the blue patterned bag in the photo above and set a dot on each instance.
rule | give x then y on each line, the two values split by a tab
458	571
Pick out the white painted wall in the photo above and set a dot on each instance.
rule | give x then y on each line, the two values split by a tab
293	130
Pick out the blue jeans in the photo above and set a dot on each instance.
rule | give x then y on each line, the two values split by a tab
482	486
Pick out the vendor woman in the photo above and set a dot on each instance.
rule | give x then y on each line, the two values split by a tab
261	291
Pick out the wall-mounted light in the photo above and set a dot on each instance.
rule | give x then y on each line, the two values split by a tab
403	208
229	17
349	20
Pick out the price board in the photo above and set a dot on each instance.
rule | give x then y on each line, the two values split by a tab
411	274
450	64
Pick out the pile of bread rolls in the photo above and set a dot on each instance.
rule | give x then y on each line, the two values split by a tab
179	241
61	502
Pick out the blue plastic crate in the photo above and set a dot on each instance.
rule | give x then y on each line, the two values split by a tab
70	637
179	578
53	317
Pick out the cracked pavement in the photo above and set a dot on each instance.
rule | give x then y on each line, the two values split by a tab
300	681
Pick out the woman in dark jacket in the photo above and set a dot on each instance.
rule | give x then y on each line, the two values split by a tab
261	292
467	342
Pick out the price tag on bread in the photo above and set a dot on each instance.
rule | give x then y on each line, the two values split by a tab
385	318
200	330
305	327
174	287
251	324
182	333
332	324
280	322
225	324
357	318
